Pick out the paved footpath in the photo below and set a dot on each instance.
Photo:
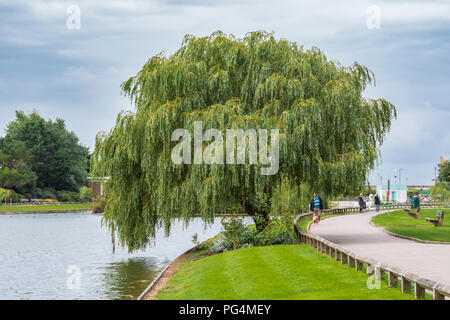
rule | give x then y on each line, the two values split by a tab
354	232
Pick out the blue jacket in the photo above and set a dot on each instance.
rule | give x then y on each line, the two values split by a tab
311	205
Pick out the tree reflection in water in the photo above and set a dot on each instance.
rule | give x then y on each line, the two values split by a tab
127	279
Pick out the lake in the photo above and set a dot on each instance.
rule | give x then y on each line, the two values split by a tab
69	256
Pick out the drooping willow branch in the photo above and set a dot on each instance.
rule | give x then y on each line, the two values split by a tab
329	133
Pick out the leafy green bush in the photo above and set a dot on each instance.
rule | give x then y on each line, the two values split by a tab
44	193
86	194
440	192
68	196
8	196
237	235
279	231
98	206
220	245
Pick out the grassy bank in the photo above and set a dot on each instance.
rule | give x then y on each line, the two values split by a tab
401	223
44	208
272	272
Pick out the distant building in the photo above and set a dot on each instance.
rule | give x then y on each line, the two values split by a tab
97	185
420	187
422	190
397	193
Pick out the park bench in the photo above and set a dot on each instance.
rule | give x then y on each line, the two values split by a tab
411	212
440	219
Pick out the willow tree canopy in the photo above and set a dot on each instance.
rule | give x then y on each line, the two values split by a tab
328	132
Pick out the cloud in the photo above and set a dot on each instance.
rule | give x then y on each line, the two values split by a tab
418	138
76	74
418	128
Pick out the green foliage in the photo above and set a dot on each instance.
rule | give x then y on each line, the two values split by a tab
98	206
369	191
329	133
8	196
86	194
11	178
440	192
68	196
15	172
195	239
444	173
289	198
237	235
44	150
279	231
220	245
47	193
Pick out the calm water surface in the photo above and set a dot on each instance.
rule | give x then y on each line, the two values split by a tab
36	251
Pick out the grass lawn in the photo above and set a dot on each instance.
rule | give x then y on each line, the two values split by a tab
42	208
401	223
272	272
304	224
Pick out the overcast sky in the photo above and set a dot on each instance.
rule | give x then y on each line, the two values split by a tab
75	74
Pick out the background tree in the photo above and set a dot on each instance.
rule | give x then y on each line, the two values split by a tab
444	172
44	154
15	171
12	179
329	133
441	190
7	196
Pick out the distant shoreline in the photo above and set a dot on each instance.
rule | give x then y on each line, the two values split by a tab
47	211
50	208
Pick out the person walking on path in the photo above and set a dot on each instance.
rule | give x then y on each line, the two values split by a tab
362	203
377	202
415	204
316	207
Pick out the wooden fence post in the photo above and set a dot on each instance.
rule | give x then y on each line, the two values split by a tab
393	280
406	285
419	291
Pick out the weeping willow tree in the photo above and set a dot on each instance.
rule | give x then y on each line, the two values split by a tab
329	133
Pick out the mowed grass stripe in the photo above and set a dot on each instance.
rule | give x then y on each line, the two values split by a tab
194	283
287	273
401	223
440	234
299	278
260	280
317	269
273	272
401	218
